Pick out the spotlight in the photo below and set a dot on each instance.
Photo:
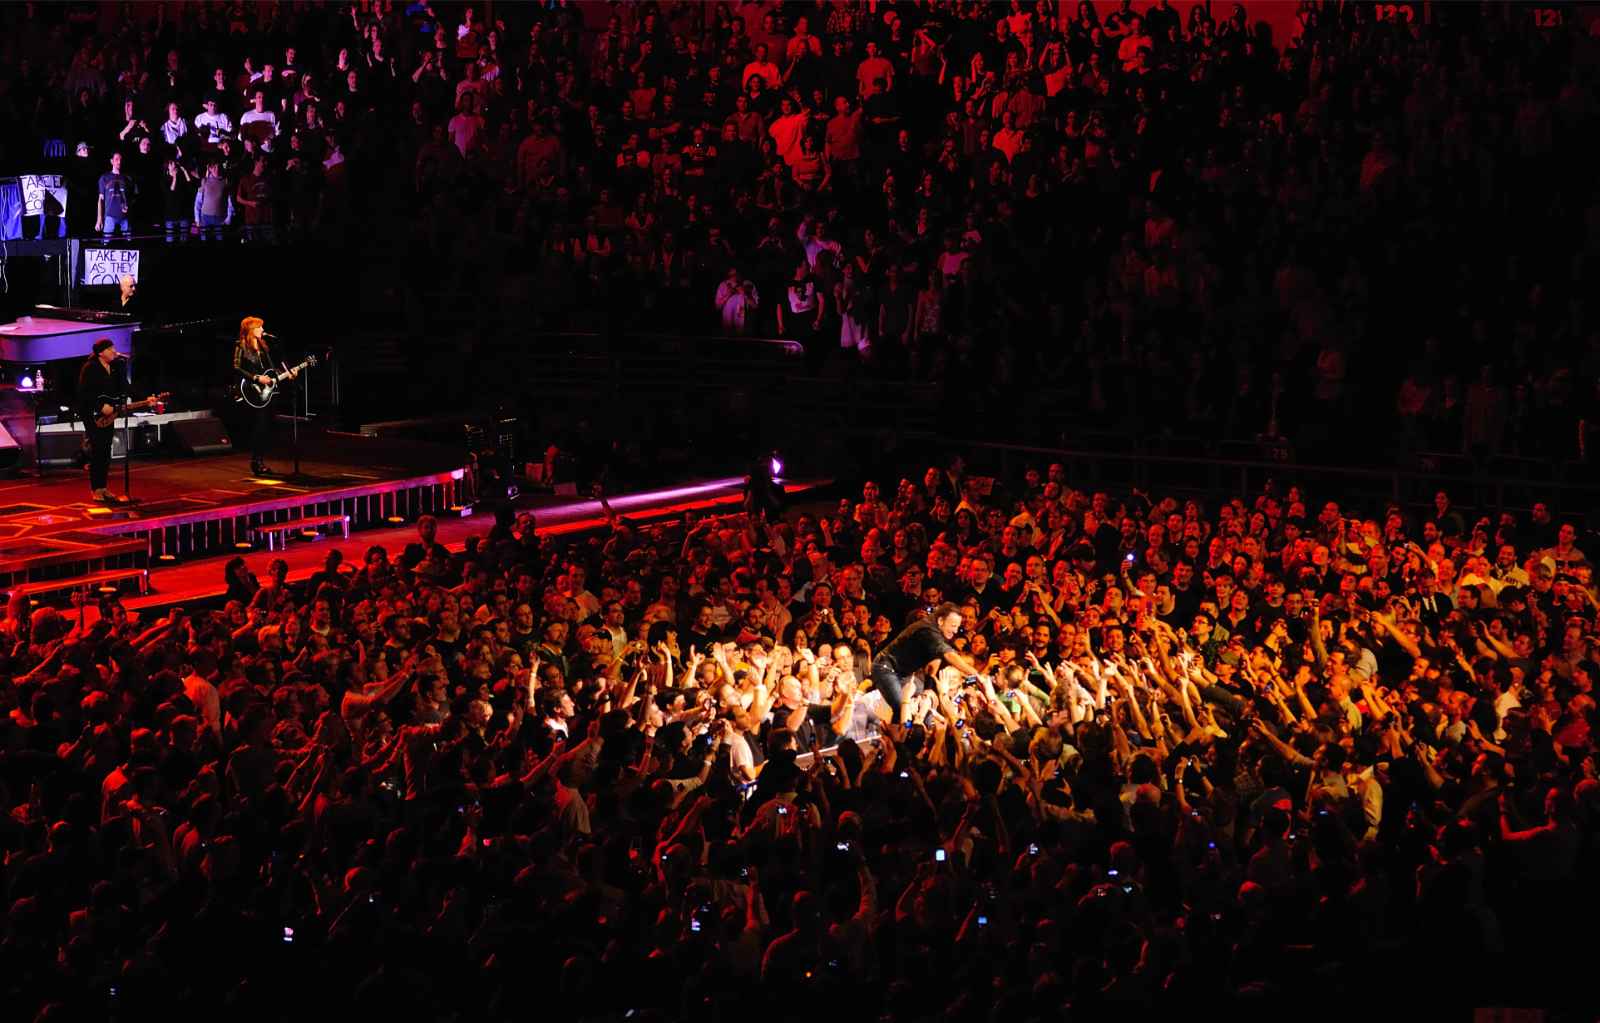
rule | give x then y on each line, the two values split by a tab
26	383
776	465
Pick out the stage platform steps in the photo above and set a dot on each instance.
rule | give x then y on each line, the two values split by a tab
209	506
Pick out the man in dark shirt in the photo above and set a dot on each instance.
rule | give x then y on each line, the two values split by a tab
95	383
427	544
1432	606
257	195
116	192
918	645
983	589
703	631
1185	595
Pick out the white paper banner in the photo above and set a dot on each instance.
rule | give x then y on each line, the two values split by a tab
106	266
36	188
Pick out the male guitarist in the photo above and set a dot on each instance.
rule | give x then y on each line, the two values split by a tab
252	361
95	381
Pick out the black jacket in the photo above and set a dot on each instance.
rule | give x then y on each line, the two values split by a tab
95	381
248	363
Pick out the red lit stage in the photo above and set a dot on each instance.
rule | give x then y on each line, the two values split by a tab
50	531
200	580
194	513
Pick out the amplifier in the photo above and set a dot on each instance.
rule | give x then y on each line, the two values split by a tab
60	442
199	436
62	447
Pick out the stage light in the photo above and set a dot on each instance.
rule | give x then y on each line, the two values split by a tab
776	464
26	383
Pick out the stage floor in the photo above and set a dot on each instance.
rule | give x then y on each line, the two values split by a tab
192	505
200	511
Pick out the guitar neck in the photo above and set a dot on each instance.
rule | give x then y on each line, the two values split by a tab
143	403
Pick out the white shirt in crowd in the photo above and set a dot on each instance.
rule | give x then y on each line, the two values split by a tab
213	126
172	131
260	117
736	306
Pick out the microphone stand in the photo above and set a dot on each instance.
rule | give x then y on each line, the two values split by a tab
299	407
295	406
127	433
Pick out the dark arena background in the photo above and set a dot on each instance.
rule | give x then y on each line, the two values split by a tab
935	511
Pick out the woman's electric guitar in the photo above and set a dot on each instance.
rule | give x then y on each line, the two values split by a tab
260	395
122	406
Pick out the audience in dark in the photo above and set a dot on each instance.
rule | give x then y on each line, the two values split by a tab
1374	225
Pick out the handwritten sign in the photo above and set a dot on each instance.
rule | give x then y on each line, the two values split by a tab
38	190
106	266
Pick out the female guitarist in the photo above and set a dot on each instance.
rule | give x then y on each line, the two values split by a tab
252	362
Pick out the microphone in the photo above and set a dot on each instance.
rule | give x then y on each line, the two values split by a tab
266	333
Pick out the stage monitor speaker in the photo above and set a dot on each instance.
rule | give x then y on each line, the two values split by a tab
200	436
64	446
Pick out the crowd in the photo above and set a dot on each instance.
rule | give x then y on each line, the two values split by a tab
962	749
1378	220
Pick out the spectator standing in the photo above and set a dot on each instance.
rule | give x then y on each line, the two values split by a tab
257	194
801	312
116	193
174	128
212	124
788	128
854	308
874	74
213	203
738	304
466	127
843	138
178	201
763	68
259	122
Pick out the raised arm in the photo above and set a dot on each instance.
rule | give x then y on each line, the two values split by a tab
1285	750
1317	645
1492	647
1405	642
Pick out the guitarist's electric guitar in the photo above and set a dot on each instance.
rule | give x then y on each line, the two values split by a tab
122	406
260	395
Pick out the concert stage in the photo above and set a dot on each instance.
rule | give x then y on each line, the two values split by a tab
198	581
200	511
53	537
